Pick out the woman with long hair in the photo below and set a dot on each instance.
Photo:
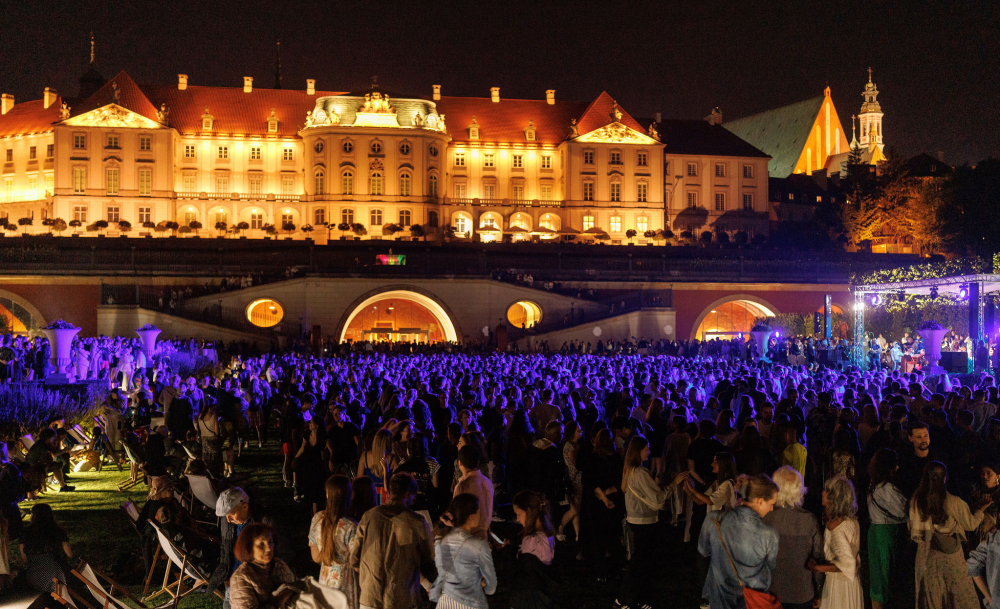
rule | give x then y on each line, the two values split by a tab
602	503
379	463
574	479
310	466
643	501
799	540
330	536
535	553
887	511
721	495
464	562
45	548
724	430
363	497
938	522
841	547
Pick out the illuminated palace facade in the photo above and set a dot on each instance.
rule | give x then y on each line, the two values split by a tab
256	159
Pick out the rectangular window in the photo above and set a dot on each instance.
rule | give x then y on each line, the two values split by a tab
488	160
518	191
720	201
432	186
404	217
9	158
8	189
145	182
347	216
255	153
287	185
616	224
616	157
256	185
489	191
222	185
223	152
748	201
50	151
319	216
287	154
145	215
145	143
256	220
616	191
347	182
33	153
641	224
112	181
459	159
112	141
189	183
518	161
221	216
404	185
588	222
189	151
376	217
546	162
546	192
588	191
692	170
641	159
459	191
819	199
50	182
640	192
33	186
80	214
692	200
748	171
79	180
588	157
286	219
79	141
720	170
114	214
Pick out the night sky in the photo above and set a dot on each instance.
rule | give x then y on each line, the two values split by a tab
935	63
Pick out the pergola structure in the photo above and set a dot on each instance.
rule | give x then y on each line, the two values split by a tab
973	288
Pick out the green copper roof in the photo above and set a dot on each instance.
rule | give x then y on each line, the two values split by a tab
781	133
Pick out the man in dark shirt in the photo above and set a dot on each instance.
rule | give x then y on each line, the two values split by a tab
345	438
912	462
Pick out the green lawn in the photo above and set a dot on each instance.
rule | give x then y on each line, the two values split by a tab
100	533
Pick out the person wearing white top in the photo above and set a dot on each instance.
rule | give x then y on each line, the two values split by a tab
841	547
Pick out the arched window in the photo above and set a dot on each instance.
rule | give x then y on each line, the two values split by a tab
404	184
320	182
432	186
375	186
348	183
376	217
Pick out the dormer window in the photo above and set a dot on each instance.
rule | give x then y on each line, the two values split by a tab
207	121
474	129
529	132
272	123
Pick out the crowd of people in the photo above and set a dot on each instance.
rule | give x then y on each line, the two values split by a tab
439	476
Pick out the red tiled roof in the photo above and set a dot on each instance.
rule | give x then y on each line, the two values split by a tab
506	120
29	117
598	114
130	96
233	110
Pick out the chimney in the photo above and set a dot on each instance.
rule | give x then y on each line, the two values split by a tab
495	95
247	84
310	86
658	118
182	82
437	92
48	97
6	103
550	97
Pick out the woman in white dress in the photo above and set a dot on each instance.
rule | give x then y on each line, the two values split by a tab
841	545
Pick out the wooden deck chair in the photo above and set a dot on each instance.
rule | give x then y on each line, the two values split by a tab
132	513
185	569
91	578
135	472
67	597
202	490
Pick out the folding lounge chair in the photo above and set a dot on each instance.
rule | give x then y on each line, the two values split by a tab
132	513
67	597
201	488
91	578
135	472
186	569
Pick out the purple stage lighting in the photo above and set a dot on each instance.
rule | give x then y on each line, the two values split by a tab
876	300
962	293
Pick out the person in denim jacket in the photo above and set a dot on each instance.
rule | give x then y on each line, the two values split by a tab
464	562
984	569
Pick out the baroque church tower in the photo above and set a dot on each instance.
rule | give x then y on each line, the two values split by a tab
871	118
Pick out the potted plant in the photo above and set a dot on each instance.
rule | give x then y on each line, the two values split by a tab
195	226
242	226
75	224
60	334
359	231
58	225
25	223
222	227
184	230
270	230
173	227
417	231
124	226
101	226
932	332
344	228
761	332
307	228
147	334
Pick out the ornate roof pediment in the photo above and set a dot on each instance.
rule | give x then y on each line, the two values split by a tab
617	133
112	115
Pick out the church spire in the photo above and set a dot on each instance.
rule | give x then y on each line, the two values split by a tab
854	133
277	69
870	117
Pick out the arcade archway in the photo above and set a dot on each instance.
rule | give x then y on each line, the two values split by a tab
730	317
399	316
19	315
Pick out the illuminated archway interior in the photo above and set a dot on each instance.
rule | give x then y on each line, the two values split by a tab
731	319
265	313
18	319
524	314
10	322
399	316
